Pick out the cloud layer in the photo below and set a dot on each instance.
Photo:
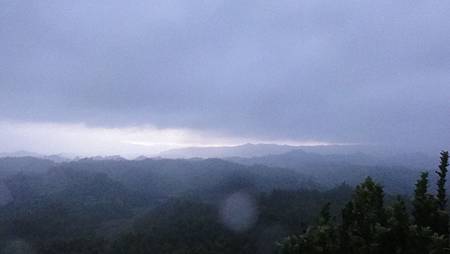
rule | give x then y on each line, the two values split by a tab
354	71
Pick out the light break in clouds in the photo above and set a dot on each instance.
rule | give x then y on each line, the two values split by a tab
97	73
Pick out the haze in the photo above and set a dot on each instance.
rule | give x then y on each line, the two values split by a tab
99	77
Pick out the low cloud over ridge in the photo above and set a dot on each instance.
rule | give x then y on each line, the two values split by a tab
358	72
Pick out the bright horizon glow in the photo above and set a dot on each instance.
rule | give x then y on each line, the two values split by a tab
81	140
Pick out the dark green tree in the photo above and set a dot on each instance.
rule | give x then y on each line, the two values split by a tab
364	219
424	205
319	239
442	173
368	207
325	216
370	228
441	196
398	224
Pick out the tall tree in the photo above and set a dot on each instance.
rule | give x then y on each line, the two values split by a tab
368	205
442	173
363	217
325	216
367	227
424	205
442	215
399	227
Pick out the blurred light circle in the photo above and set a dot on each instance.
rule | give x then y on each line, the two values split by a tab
238	212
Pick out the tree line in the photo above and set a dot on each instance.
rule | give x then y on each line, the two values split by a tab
367	225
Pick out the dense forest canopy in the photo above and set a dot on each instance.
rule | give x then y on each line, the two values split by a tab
214	206
368	226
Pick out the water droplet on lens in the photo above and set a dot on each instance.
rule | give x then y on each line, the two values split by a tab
239	212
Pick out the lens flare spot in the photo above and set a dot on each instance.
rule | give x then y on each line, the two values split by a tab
239	212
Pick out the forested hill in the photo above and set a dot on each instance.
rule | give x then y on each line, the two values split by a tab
156	178
91	206
13	165
196	206
395	173
289	169
173	177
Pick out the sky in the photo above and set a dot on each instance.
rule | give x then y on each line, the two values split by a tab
116	77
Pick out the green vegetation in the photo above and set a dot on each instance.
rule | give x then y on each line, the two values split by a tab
174	206
368	226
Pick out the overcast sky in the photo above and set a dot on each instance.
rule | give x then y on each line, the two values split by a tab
110	76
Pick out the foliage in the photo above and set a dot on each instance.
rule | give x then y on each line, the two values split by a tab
119	207
368	226
174	206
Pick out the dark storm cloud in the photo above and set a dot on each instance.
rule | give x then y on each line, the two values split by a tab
341	71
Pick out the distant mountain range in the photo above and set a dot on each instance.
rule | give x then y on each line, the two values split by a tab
253	150
53	157
59	158
258	153
246	150
298	157
265	153
397	172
